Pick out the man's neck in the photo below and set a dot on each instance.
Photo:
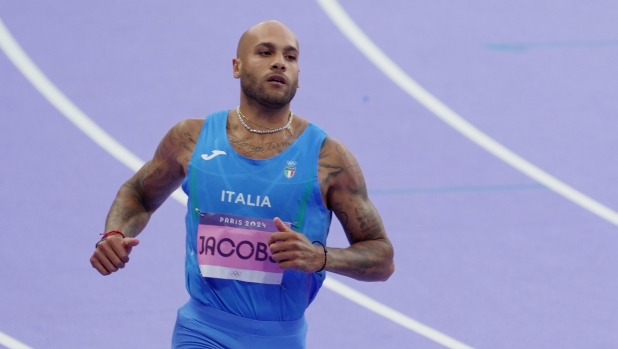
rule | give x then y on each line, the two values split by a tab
267	116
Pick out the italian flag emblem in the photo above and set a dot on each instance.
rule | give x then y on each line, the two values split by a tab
290	169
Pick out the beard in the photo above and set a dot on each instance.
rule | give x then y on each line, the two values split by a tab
252	89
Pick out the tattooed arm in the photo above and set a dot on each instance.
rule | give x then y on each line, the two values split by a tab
143	193
370	254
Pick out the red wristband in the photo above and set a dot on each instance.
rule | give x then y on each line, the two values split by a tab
112	232
108	234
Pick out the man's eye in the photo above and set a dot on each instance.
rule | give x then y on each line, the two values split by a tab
292	58
265	53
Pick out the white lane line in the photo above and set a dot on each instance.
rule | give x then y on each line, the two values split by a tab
393	315
11	343
363	43
36	77
117	150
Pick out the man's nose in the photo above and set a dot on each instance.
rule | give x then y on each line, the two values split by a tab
278	63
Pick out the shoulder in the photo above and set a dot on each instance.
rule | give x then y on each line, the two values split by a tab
332	146
192	125
335	152
179	142
186	130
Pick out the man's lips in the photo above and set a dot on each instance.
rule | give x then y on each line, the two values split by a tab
277	78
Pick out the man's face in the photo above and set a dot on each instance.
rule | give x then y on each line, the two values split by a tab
268	67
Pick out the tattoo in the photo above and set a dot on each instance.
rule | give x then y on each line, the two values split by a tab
325	151
370	254
279	147
188	136
340	149
124	211
370	223
343	218
143	193
127	212
332	172
155	185
332	164
243	146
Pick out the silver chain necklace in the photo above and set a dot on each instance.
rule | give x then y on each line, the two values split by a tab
287	126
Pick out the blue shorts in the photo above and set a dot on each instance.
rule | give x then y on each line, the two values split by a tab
200	327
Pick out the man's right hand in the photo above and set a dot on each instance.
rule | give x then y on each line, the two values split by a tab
112	254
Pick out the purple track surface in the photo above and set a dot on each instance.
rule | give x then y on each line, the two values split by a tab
484	254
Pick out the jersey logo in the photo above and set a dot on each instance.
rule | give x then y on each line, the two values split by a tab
214	153
290	169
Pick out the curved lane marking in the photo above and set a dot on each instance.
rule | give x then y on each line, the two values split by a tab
11	342
54	96
25	65
364	44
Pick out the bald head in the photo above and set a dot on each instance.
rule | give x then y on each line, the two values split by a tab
261	32
267	64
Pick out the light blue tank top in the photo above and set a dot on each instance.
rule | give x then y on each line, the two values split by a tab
222	182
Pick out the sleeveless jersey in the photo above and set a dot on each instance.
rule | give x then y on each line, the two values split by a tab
232	202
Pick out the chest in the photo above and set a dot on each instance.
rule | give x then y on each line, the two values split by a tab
237	172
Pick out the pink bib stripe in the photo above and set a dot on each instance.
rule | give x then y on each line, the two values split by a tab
236	248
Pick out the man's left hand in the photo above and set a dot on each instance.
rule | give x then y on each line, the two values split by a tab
293	250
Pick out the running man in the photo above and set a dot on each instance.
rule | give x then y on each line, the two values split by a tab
262	184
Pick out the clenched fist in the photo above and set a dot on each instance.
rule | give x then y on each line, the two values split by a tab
112	254
293	250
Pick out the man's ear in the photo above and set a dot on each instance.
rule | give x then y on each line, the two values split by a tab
236	66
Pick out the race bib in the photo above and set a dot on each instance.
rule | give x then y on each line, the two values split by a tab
236	248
